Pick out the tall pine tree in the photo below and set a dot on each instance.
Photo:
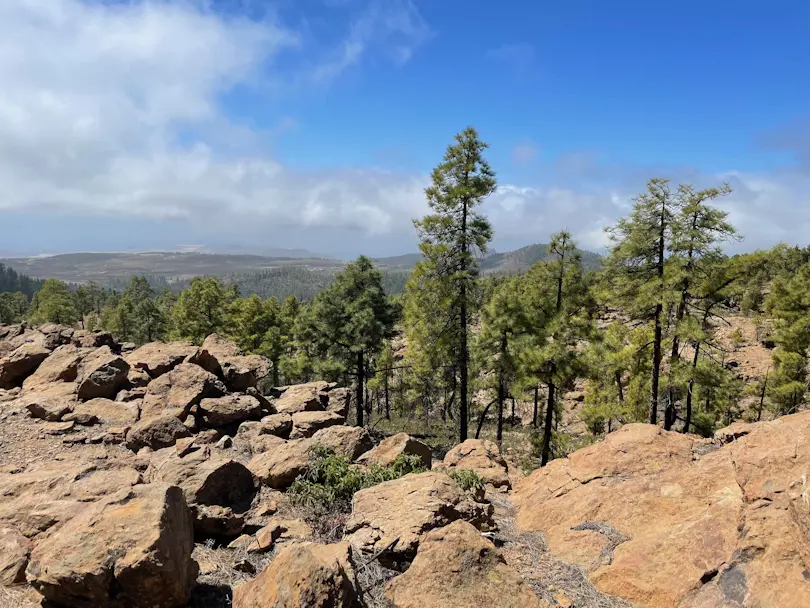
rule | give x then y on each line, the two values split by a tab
451	239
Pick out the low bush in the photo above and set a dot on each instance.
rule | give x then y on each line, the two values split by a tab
331	480
470	481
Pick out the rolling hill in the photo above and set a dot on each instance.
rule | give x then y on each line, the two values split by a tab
264	275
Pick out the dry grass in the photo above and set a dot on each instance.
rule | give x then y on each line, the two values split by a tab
548	577
371	581
19	597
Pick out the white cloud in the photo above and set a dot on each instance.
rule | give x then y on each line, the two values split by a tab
113	109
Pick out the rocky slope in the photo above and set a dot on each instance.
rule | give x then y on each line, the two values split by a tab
155	478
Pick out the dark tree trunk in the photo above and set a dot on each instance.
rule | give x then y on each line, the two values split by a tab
387	401
275	372
463	355
549	421
658	337
687	421
483	417
359	395
619	386
762	396
501	398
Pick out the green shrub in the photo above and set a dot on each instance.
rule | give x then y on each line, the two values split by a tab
470	481
331	480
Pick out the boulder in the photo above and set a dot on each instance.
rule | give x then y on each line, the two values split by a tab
14	551
138	378
239	371
394	515
205	477
84	338
183	387
348	441
160	431
339	400
20	363
306	424
276	529
661	519
61	366
216	521
481	456
101	374
48	409
279	425
278	467
105	411
303	575
255	437
157	358
455	567
222	411
310	397
391	448
49	493
131	550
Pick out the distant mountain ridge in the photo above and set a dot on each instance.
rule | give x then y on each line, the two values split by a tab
264	275
508	262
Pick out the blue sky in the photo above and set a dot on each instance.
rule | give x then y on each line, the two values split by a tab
240	124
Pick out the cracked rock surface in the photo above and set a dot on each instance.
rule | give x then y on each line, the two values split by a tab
661	519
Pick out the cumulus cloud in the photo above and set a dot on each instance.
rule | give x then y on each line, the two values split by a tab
112	110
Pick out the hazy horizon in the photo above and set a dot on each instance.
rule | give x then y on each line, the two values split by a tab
146	125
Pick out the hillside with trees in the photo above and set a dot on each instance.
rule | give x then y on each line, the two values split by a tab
469	342
253	420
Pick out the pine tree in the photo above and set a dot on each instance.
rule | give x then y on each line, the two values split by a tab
558	308
53	304
789	305
636	265
200	310
498	342
697	230
451	237
349	321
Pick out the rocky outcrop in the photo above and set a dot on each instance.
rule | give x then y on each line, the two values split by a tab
303	574
61	366
306	424
183	387
20	363
278	467
276	529
207	479
130	550
101	374
393	516
223	411
43	496
481	456
14	551
455	567
311	397
664	519
239	371
391	448
157	358
159	431
105	411
348	441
